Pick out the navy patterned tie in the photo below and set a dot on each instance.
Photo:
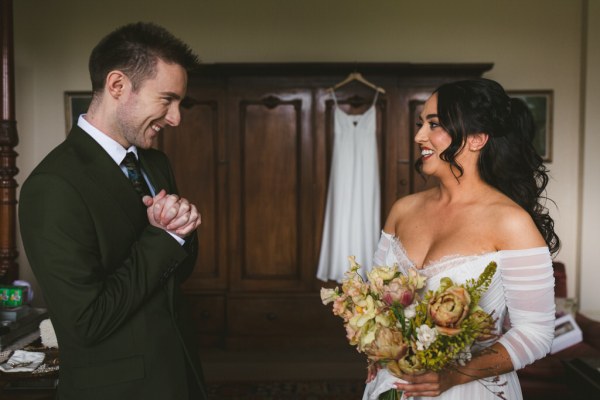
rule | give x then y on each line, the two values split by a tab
135	174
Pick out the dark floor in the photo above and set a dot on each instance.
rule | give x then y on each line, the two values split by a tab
285	365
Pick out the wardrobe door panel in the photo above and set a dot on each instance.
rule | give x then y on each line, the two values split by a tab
196	149
270	186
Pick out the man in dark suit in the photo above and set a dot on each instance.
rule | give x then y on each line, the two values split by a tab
110	255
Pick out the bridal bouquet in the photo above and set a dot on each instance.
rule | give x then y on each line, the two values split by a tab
397	326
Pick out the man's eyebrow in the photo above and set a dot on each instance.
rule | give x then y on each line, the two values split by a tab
172	95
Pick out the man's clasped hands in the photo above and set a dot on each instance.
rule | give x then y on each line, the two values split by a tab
172	213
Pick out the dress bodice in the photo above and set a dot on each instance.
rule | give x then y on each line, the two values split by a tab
457	267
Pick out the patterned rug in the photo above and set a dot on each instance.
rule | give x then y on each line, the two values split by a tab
309	390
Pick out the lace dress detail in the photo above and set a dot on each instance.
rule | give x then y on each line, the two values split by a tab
522	288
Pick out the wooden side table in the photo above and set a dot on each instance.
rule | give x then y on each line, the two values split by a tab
10	391
28	386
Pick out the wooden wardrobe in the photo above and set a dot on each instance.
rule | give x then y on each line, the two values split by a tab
253	152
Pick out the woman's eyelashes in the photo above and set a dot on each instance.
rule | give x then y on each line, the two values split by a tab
432	124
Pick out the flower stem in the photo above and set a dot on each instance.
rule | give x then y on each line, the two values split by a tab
391	394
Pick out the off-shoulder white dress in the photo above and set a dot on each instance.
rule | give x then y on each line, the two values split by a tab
523	287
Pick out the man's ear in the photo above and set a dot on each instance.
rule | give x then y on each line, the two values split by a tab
476	141
116	83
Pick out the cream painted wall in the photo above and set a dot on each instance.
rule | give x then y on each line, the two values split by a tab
534	44
590	212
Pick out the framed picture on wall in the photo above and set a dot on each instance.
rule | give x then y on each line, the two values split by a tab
540	104
76	103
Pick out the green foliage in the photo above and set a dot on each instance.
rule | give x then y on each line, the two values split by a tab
476	288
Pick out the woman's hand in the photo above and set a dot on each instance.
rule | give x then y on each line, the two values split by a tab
430	384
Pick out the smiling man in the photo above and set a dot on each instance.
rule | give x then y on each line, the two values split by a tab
110	242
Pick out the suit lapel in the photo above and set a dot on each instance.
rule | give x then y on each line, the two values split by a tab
108	177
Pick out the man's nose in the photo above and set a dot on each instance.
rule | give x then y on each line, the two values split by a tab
173	116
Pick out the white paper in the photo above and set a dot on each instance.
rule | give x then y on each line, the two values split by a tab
23	361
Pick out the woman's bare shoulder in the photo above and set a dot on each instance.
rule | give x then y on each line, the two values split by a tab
410	202
404	206
515	227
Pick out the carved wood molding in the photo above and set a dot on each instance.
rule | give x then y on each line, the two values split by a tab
8	141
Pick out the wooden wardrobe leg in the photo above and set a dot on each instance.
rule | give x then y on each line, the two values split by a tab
9	269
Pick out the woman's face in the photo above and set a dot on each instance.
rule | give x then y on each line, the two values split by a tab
432	138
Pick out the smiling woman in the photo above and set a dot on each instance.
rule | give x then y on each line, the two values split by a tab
485	208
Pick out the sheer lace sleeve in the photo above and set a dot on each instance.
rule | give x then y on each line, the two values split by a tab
383	254
528	283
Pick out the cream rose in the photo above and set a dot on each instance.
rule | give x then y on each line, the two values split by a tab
448	309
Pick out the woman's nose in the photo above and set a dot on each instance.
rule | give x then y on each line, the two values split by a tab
420	136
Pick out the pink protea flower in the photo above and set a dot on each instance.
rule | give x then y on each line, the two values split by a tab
397	293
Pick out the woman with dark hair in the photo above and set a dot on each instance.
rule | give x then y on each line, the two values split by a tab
487	207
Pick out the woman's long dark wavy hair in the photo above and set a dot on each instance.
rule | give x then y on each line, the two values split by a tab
508	161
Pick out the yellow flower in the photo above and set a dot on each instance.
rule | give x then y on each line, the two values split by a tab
367	334
354	266
384	319
416	280
484	323
378	275
365	311
328	295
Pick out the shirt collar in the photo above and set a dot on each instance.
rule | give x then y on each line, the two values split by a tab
111	146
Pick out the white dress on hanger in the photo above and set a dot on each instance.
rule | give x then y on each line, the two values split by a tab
523	287
352	215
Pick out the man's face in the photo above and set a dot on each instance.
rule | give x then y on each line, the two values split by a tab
145	112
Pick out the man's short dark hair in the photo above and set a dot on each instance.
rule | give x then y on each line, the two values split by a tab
135	49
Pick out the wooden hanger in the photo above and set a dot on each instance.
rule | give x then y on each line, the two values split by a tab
357	76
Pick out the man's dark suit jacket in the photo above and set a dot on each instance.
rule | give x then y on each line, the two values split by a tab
109	278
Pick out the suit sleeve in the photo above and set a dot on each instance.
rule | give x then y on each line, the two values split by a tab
184	270
64	251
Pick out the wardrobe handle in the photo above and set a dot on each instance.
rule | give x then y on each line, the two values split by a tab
272	316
